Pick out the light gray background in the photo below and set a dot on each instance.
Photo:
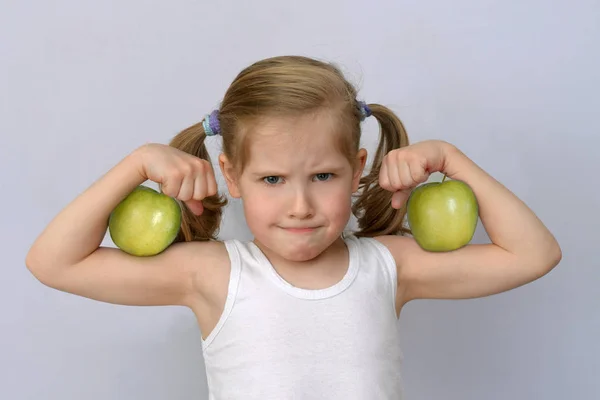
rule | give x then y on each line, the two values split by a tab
513	84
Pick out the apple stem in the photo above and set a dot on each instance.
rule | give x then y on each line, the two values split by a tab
444	178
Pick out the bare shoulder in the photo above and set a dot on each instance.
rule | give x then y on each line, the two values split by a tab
210	267
402	249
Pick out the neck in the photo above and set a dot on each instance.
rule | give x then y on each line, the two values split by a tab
322	271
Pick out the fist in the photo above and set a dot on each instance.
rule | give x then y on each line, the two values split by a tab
181	175
405	168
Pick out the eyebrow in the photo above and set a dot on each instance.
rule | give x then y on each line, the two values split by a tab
331	168
261	173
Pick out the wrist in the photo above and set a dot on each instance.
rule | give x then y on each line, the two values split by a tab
135	160
455	160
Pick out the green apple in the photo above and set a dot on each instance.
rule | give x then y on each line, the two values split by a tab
442	215
145	223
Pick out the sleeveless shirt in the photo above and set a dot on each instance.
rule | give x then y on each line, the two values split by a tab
277	341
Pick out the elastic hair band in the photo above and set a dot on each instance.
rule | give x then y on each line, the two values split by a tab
365	111
211	124
212	127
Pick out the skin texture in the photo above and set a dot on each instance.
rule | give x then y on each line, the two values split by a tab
296	210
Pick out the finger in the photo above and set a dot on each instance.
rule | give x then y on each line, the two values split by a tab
399	198
211	182
405	176
195	206
199	187
172	183
418	173
394	164
186	191
384	180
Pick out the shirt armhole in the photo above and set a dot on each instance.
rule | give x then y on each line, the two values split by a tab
234	279
390	265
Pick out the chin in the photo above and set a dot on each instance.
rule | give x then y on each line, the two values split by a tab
294	250
297	247
299	255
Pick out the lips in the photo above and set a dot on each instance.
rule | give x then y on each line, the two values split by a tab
300	229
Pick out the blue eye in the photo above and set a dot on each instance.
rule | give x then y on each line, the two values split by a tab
324	177
271	180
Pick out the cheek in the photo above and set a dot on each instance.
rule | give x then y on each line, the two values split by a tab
258	206
337	202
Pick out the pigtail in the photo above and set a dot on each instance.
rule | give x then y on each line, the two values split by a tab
206	226
373	207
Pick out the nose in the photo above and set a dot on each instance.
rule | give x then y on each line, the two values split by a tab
301	207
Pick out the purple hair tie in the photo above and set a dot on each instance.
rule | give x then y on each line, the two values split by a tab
211	124
365	111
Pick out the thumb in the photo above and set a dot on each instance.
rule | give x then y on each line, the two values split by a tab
399	198
195	206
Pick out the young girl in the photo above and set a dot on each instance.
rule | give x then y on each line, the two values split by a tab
305	310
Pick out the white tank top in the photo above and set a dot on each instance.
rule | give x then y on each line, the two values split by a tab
277	341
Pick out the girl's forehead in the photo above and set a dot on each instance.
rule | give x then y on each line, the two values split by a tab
292	144
322	125
322	121
308	138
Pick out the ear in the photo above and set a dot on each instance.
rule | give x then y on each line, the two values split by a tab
359	166
230	176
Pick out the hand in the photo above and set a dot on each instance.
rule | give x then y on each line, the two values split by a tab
405	168
181	175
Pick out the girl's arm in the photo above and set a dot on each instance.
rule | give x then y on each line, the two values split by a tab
67	255
522	248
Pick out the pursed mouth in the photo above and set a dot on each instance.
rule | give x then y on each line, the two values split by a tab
300	229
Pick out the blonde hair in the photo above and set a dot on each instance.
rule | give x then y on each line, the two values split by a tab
292	85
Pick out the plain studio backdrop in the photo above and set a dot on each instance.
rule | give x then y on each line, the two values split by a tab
513	84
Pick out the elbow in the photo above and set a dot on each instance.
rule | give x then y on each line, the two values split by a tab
33	266
550	258
556	255
542	261
38	269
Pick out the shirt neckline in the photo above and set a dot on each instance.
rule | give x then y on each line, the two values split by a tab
313	294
